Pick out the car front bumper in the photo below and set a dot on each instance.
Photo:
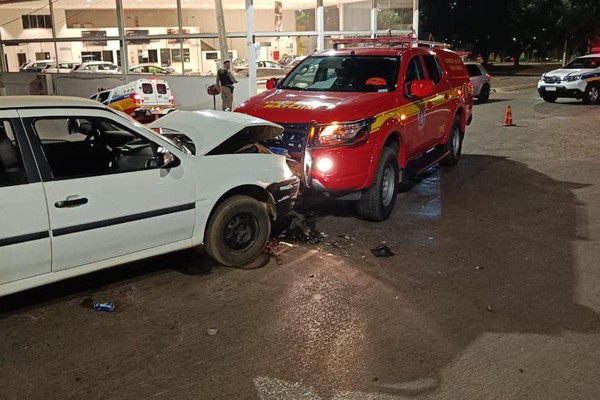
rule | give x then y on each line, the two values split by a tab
284	194
560	91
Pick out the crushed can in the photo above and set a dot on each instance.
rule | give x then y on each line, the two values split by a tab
108	307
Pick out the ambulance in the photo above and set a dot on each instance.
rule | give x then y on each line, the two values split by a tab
368	113
143	99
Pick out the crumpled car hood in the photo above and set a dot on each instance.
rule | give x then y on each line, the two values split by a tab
209	128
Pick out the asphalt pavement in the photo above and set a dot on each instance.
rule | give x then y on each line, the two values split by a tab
492	292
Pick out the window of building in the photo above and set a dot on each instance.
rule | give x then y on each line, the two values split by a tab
36	21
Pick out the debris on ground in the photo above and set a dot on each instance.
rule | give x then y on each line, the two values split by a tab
212	331
106	306
489	308
276	248
382	251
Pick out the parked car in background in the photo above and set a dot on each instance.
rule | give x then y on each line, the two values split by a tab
481	80
35	66
85	188
61	67
98	67
151	69
143	99
579	79
264	69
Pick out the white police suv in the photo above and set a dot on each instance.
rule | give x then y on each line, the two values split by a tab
580	79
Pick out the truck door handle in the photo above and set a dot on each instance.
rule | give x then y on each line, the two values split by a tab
71	203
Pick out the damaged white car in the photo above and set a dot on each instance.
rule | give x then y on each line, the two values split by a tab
84	187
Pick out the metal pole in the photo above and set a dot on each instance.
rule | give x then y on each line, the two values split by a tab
320	25
250	43
415	23
123	44
51	6
3	66
564	60
180	29
373	19
222	32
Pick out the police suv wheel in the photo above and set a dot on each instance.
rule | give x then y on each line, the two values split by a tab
238	231
377	202
591	94
549	99
453	145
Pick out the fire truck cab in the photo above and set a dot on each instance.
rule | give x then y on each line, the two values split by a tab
361	117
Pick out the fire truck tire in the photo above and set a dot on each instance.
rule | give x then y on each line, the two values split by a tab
453	145
238	231
591	94
377	202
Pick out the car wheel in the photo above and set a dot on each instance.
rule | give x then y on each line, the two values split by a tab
238	231
453	145
591	94
549	99
484	94
377	202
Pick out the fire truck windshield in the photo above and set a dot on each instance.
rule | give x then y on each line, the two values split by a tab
344	74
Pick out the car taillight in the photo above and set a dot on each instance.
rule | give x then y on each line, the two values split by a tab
137	99
488	76
172	100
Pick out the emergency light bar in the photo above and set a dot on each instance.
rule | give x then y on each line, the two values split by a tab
403	41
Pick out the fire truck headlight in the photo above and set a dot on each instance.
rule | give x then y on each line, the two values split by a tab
337	133
324	164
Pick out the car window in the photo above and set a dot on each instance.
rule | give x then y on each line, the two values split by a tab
344	74
433	68
584	62
147	88
103	97
87	146
414	70
161	88
473	70
11	163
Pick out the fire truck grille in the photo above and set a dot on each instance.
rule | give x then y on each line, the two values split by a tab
293	139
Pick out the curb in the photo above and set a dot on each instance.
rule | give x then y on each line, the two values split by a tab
515	87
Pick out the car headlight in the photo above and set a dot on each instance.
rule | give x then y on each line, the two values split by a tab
287	171
337	133
573	78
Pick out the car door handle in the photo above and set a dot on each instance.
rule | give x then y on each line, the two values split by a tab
71	203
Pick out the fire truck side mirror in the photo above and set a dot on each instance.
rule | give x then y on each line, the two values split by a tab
272	83
421	89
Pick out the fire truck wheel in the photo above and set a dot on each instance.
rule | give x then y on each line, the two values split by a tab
453	145
591	94
238	231
377	202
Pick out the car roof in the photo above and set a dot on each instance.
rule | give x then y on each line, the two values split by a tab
362	51
591	55
99	62
11	102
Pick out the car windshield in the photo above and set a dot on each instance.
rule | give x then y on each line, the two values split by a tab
584	62
344	74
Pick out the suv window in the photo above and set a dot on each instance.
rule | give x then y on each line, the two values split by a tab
103	96
161	88
86	146
414	71
344	74
473	70
147	88
11	164
433	68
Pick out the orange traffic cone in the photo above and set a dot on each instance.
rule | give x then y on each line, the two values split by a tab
508	117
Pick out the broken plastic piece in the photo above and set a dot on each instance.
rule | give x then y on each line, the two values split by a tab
382	251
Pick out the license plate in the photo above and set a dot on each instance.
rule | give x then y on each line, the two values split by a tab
550	89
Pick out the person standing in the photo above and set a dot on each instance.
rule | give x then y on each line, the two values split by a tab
225	81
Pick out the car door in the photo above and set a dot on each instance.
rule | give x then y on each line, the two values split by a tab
106	196
24	228
437	108
417	127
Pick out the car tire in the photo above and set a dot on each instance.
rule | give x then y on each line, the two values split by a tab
377	202
453	145
549	99
591	94
238	231
484	94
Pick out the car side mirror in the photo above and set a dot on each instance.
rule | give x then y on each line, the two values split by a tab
166	159
421	89
272	83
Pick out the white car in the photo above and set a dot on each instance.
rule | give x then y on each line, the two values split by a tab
61	68
579	79
98	67
84	187
481	80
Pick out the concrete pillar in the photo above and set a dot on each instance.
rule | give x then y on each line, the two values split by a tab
373	19
416	17
320	26
250	42
223	48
